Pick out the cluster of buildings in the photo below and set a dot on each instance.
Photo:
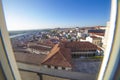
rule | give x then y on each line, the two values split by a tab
94	35
57	48
60	57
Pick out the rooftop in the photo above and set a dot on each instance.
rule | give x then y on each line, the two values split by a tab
96	31
100	34
58	56
80	46
29	58
94	37
37	47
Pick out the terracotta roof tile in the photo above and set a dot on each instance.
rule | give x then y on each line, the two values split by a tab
94	37
100	34
52	52
58	57
80	46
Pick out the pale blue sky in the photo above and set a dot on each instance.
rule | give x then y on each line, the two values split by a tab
40	14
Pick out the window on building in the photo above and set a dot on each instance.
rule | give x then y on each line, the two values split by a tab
56	67
48	66
63	68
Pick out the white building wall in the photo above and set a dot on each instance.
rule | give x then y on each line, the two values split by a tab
59	68
83	40
52	67
29	49
89	39
100	37
36	51
86	31
67	68
79	34
45	66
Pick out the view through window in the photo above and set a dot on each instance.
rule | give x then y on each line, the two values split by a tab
58	39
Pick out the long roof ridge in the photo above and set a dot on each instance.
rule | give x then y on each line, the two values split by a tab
51	54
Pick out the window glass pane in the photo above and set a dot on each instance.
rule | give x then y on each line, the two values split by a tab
69	34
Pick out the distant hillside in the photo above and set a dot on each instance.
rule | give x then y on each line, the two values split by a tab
26	31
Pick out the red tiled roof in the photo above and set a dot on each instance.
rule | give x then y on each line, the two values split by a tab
94	37
52	52
80	46
58	56
100	34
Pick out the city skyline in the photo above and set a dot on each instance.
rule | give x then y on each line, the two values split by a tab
34	14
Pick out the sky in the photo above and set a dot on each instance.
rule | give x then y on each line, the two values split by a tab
42	14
